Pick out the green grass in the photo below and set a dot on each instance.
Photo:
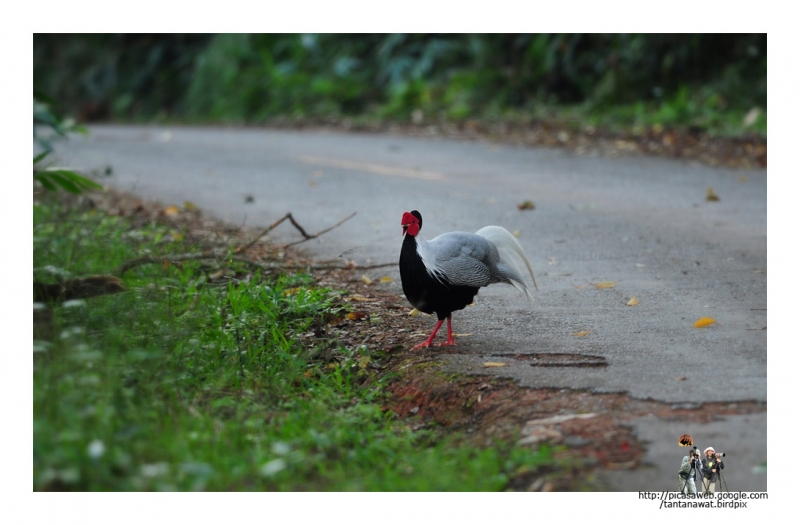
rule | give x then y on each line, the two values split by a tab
183	384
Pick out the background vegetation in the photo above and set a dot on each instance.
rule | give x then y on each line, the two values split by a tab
705	81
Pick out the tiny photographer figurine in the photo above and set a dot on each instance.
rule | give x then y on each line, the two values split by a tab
710	467
687	474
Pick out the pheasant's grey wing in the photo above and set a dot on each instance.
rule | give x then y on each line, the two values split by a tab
463	259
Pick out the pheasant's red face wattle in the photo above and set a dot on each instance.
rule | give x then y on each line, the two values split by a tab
410	224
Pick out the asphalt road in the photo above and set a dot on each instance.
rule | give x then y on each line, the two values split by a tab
642	223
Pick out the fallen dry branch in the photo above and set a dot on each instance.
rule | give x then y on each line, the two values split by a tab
306	236
221	255
326	265
153	259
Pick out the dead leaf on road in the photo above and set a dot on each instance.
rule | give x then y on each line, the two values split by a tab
604	284
703	322
711	196
582	333
633	302
366	279
493	364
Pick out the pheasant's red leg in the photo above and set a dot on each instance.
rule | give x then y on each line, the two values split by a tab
450	341
428	341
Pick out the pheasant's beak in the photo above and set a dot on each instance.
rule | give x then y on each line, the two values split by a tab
405	228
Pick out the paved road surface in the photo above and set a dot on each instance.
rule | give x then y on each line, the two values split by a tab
643	223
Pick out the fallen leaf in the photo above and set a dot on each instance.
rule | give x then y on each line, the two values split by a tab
291	291
604	284
493	364
711	196
189	206
414	312
386	279
526	205
516	233
354	316
703	322
681	378
171	210
582	333
633	302
358	297
366	280
579	286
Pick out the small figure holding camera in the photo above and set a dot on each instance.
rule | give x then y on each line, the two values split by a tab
710	468
688	472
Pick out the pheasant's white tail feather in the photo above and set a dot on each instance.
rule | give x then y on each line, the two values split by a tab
511	253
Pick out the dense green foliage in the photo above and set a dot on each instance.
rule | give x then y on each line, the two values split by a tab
705	80
183	384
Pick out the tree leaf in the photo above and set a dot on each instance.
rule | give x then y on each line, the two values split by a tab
40	156
633	302
582	333
64	182
494	364
604	284
704	322
44	181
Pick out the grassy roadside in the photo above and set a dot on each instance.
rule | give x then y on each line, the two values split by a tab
207	375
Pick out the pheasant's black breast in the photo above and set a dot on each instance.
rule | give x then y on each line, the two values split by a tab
425	293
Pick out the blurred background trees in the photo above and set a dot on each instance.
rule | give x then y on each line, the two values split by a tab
714	82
